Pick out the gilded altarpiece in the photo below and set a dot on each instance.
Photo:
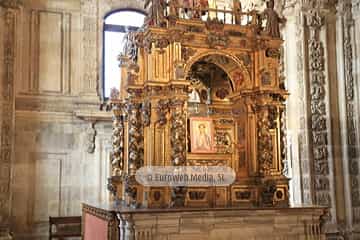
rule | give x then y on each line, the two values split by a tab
179	68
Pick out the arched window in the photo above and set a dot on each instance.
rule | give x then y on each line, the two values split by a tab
117	24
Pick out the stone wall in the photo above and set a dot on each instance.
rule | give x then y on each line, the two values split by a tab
56	139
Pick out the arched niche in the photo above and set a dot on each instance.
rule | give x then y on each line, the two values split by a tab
215	97
238	74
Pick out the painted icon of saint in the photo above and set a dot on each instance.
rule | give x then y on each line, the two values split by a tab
203	141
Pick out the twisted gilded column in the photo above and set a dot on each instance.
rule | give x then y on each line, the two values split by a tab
178	146
264	143
135	151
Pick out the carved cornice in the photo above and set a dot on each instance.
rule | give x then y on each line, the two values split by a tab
161	40
321	4
97	212
10	3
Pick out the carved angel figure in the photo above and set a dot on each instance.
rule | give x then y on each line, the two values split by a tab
272	20
130	48
157	11
173	5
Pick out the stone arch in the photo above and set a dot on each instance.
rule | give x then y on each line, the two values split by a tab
114	6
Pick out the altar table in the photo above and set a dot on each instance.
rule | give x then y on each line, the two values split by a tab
108	221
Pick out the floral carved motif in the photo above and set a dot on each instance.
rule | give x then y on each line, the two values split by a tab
318	111
162	41
217	40
10	3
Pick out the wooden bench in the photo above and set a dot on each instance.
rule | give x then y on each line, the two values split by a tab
64	227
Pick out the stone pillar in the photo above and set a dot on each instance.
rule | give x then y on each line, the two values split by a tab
349	112
319	111
323	106
314	125
354	57
297	115
9	13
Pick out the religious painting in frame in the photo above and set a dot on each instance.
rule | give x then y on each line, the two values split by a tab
202	135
